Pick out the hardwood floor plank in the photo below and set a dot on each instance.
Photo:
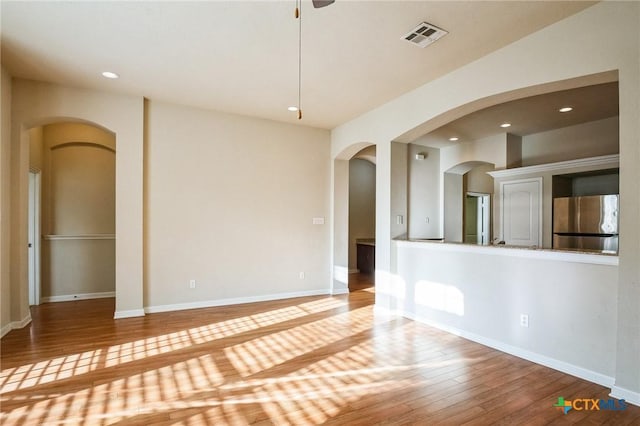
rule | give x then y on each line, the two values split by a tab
315	360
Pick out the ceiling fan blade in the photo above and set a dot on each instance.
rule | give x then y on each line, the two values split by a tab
322	3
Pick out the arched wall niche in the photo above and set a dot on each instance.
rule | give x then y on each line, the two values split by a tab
88	144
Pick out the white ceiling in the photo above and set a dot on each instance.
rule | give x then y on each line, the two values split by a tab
241	56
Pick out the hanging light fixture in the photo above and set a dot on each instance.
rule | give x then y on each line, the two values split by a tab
298	16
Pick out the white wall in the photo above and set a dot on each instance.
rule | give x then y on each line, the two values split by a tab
585	140
482	291
399	189
230	203
362	205
340	221
424	192
5	203
560	56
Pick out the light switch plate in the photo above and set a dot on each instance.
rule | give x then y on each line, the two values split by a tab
318	220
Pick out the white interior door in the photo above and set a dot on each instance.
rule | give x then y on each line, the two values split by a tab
477	216
34	238
522	212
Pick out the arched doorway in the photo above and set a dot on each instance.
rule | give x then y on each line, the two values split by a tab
362	219
468	191
76	163
341	214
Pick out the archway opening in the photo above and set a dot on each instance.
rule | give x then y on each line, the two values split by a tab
72	253
354	175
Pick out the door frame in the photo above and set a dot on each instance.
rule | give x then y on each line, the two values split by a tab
34	234
484	219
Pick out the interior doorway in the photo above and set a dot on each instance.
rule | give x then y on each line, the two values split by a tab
362	219
71	213
34	237
477	218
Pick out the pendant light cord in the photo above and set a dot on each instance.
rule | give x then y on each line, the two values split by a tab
299	58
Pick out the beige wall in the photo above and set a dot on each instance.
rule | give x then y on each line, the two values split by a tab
478	180
35	148
230	204
362	205
586	140
453	206
5	204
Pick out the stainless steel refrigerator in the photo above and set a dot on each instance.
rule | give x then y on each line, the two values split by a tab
587	223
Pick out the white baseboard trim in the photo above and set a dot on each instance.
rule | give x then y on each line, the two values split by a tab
82	296
232	301
562	366
4	330
20	324
629	396
128	314
15	325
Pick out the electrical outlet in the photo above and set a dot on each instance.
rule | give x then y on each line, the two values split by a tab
426	220
524	320
301	275
192	283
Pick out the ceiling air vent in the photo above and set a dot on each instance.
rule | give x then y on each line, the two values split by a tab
424	34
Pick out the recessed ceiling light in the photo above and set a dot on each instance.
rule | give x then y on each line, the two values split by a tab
505	125
293	108
565	109
109	74
453	139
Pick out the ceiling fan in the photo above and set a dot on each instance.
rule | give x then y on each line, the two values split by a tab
322	3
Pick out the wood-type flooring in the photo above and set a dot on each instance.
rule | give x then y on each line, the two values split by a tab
304	361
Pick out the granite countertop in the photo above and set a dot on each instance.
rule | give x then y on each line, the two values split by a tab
498	246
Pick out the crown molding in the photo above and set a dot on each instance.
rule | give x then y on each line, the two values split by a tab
602	161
